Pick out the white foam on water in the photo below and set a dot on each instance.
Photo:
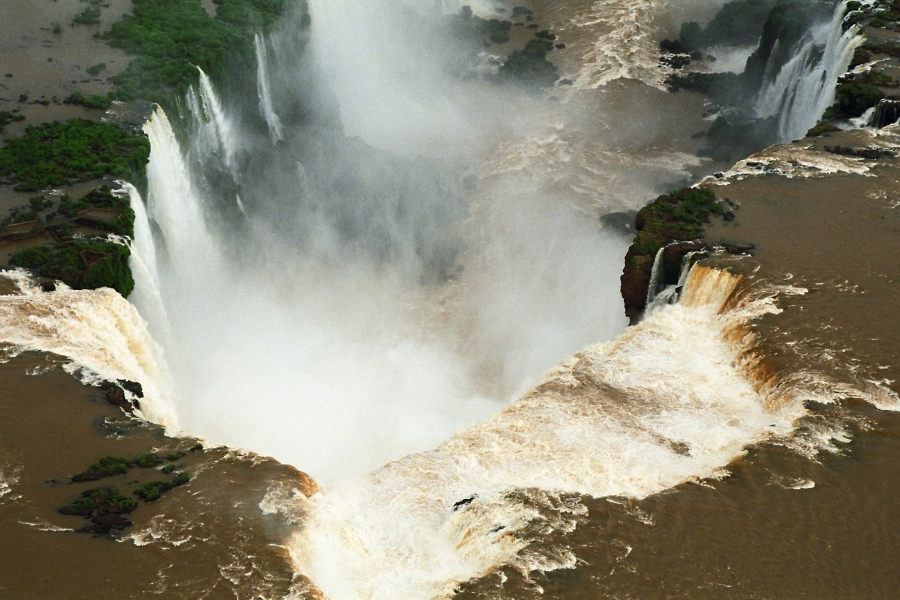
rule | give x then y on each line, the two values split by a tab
791	161
665	403
99	331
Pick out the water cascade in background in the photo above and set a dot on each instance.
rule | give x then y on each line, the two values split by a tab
146	296
224	132
665	402
264	90
804	87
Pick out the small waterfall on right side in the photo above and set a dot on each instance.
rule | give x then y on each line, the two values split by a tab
805	85
264	90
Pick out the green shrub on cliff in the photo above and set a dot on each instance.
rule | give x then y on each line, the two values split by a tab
853	99
81	264
101	101
59	153
250	13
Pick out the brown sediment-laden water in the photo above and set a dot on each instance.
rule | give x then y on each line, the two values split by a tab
487	427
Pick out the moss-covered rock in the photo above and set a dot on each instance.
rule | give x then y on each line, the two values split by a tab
155	489
529	66
104	507
105	467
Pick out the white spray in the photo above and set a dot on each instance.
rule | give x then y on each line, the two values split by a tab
264	90
805	86
664	403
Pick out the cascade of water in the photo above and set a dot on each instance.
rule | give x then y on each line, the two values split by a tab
225	130
102	335
805	86
173	202
672	293
146	296
655	275
264	91
663	403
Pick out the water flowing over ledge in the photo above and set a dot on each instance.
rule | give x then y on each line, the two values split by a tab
673	399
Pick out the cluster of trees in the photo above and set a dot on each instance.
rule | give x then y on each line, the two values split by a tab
80	149
171	37
530	65
81	264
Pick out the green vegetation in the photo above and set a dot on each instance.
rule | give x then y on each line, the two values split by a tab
168	469
853	99
529	65
100	502
81	264
147	460
250	13
96	101
60	153
678	215
101	197
7	118
89	16
889	17
739	22
174	456
170	38
105	467
153	490
95	69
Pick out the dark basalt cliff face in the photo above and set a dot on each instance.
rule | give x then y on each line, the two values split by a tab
671	223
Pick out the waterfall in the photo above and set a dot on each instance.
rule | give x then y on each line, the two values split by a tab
805	86
173	202
225	130
665	402
146	296
103	337
655	275
264	91
672	293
